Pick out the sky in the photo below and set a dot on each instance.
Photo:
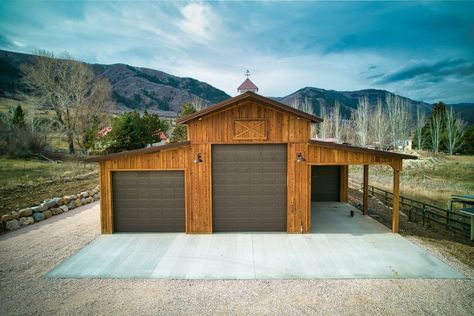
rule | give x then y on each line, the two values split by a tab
422	50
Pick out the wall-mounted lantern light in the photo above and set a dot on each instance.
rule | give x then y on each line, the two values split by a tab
300	158
198	158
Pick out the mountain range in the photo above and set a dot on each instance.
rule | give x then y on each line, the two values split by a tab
164	94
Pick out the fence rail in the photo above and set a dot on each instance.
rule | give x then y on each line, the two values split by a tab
421	212
62	155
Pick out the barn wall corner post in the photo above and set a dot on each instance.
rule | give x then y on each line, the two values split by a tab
366	191
105	199
344	182
396	195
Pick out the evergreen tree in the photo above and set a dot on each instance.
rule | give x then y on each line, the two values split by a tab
180	132
132	131
18	119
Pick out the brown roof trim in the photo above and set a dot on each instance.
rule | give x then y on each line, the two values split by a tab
362	149
148	150
242	97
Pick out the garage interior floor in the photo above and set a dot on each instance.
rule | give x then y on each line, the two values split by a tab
340	247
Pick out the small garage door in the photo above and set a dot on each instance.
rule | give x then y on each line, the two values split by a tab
325	183
249	187
148	201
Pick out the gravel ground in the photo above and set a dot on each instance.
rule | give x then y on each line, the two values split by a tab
29	253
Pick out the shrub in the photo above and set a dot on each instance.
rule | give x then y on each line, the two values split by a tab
20	140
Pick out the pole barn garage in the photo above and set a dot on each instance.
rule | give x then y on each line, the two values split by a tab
248	165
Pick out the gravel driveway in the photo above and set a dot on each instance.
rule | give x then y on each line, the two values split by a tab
28	254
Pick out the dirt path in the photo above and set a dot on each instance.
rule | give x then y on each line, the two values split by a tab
29	253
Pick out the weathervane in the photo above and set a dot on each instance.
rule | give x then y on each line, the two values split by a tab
247	74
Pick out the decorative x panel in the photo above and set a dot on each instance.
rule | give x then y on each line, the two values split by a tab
250	129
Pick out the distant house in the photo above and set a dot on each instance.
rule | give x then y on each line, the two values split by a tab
248	165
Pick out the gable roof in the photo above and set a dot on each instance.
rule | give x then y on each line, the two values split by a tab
383	153
247	85
244	97
147	150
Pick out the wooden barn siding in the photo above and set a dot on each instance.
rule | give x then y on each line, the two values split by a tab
175	159
199	191
318	155
218	128
298	201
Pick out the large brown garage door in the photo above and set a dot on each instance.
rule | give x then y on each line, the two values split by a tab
148	201
249	187
325	183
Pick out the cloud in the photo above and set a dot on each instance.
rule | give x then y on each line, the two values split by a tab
199	21
5	42
422	50
430	72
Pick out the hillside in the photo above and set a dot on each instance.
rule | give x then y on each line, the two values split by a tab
349	101
165	94
133	87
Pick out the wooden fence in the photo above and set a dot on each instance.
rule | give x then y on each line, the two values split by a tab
420	212
62	155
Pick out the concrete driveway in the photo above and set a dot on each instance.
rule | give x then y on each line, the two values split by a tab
339	247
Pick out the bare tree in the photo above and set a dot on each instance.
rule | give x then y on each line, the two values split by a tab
65	85
398	118
378	125
325	125
420	123
435	131
454	130
361	121
305	106
198	103
89	114
347	132
336	120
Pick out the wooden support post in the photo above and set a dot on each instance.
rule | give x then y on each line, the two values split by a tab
396	199
365	203
344	184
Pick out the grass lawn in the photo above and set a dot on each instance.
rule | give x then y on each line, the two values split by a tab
430	179
26	183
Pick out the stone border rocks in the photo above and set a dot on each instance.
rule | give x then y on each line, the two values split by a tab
47	209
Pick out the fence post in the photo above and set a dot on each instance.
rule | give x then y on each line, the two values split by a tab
424	213
448	214
430	215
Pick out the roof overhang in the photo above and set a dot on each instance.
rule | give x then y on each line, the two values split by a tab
248	96
383	153
140	151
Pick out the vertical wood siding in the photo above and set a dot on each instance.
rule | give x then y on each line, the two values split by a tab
318	155
198	191
218	128
298	217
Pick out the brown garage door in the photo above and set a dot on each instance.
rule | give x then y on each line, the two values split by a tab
148	201
325	183
249	187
